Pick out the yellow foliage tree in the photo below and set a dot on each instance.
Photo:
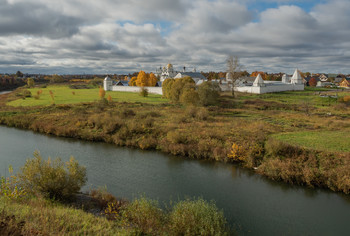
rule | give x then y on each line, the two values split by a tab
152	80
133	81
236	153
142	79
109	98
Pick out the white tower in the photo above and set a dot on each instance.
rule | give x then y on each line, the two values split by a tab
296	79
259	82
107	83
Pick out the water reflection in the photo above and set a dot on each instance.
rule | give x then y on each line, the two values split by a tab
254	204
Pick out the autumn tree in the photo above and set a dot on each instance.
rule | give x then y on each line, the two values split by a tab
233	70
133	81
146	80
101	92
142	79
313	82
152	80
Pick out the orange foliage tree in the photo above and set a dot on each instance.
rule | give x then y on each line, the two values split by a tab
144	79
313	82
133	81
152	80
101	92
256	73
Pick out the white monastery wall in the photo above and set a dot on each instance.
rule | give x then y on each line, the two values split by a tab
155	90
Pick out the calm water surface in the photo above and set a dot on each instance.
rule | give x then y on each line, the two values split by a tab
253	204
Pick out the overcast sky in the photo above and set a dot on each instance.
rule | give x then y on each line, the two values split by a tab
122	36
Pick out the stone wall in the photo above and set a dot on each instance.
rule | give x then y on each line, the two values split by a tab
155	90
270	88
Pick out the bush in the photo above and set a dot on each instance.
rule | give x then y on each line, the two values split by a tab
26	93
146	215
197	217
143	92
53	178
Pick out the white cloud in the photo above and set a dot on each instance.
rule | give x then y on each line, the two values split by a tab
122	36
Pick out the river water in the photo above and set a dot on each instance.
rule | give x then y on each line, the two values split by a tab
253	204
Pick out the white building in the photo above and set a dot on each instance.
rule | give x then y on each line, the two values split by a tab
260	86
166	72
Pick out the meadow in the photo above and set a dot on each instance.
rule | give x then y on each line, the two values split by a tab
66	95
297	137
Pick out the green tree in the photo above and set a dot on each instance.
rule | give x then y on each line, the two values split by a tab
208	93
19	74
178	86
166	87
189	96
30	82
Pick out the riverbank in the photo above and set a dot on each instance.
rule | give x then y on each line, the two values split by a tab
235	131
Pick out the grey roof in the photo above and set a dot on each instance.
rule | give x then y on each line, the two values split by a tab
194	75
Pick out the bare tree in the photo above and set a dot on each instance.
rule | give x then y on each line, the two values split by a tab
233	71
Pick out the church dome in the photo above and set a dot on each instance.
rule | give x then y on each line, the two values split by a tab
108	78
169	66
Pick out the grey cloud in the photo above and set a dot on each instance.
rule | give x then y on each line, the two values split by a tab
35	19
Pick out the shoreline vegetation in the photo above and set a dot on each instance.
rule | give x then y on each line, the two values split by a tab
296	137
44	199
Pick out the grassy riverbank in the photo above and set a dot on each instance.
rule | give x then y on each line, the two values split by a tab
43	199
297	137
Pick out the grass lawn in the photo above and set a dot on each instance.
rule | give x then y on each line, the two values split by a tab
319	140
65	95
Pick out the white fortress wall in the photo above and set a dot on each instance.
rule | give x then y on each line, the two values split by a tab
155	90
270	88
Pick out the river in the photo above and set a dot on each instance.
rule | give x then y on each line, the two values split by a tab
253	204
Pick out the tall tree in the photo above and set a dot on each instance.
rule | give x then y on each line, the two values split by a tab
233	70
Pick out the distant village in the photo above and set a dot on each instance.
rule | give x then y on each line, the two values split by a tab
255	82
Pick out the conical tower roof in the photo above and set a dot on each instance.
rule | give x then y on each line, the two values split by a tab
107	78
259	82
296	79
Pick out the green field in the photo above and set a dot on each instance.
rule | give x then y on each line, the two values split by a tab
320	140
66	95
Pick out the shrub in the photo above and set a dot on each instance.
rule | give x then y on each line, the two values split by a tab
196	217
27	93
146	215
10	187
143	92
53	178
